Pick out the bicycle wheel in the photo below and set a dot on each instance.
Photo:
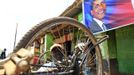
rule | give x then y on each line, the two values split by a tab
68	33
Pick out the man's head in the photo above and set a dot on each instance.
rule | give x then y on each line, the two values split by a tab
5	49
98	9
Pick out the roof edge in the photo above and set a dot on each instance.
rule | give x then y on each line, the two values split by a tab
73	9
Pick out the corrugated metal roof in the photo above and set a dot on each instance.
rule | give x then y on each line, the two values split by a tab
74	9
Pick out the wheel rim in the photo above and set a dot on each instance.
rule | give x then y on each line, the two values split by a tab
58	27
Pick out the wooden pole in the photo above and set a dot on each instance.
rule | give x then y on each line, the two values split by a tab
15	35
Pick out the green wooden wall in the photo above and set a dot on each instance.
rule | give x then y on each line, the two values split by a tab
125	49
80	17
112	44
104	47
48	43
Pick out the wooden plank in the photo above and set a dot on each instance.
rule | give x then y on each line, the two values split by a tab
23	52
2	71
10	68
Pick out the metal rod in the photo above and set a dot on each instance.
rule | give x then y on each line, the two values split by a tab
98	42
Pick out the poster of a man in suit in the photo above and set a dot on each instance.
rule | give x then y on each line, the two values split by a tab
98	11
105	15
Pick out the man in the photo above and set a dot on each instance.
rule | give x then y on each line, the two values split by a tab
3	54
98	10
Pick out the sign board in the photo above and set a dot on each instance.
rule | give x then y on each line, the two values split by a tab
105	15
